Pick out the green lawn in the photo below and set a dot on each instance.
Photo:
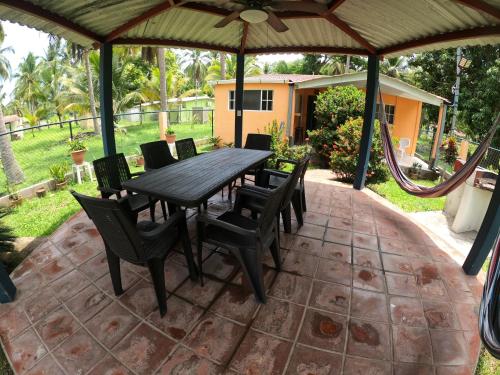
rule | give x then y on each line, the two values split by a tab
39	149
409	203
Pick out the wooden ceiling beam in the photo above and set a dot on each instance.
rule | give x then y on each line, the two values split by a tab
445	37
46	15
333	19
481	6
244	36
174	43
334	5
308	49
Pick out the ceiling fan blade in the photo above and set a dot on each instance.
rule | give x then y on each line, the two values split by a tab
299	6
276	23
228	19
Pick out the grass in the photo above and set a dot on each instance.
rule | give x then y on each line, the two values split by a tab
408	203
40	148
487	364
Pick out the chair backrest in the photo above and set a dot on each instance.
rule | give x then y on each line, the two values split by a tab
156	155
404	143
258	142
306	160
295	176
111	171
273	205
185	148
114	225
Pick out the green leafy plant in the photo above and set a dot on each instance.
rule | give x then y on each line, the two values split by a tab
12	192
344	158
76	145
322	140
58	172
279	144
7	238
450	150
170	131
215	142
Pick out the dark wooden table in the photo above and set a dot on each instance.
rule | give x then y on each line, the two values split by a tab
192	181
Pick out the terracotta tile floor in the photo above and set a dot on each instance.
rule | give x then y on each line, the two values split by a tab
364	290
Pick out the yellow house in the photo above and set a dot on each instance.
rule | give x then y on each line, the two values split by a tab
290	99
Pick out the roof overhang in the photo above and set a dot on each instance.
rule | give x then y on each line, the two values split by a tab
388	85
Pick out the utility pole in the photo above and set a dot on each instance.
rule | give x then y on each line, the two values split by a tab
456	91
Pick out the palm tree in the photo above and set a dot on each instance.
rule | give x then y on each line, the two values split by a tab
12	170
27	87
222	65
196	68
90	86
215	69
394	66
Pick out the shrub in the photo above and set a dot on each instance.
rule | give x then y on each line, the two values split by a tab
58	172
322	141
76	145
450	151
279	144
344	158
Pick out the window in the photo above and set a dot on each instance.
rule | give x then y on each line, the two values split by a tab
253	100
389	112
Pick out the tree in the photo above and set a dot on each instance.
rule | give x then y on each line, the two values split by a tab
222	65
160	57
90	87
12	170
214	70
394	66
27	88
196	67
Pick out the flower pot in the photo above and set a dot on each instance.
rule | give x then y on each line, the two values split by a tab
40	193
16	201
61	185
170	138
7	287
139	161
413	175
78	156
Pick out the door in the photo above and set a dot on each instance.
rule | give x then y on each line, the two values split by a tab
310	118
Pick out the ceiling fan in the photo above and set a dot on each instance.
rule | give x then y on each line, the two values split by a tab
256	11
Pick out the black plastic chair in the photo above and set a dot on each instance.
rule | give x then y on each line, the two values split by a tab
145	244
156	155
111	171
274	177
185	148
244	237
256	142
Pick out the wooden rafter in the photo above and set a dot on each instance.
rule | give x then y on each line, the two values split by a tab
244	36
481	6
37	11
349	31
174	43
334	5
154	11
446	37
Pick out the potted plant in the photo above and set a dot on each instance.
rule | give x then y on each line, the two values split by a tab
41	192
77	150
170	135
14	197
414	170
7	288
139	159
215	142
58	173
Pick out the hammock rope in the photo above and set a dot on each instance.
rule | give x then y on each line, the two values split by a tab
446	186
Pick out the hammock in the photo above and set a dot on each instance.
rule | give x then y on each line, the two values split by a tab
443	188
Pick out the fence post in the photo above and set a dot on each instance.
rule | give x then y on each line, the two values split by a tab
71	130
212	122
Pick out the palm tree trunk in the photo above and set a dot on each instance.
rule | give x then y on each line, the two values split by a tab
90	83
347	63
222	65
12	169
160	57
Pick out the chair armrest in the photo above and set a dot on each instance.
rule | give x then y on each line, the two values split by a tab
288	161
109	191
206	220
253	191
156	233
135	174
276	173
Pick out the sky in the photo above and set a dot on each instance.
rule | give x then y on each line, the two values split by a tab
24	40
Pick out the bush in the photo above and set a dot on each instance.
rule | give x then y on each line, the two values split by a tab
450	150
344	158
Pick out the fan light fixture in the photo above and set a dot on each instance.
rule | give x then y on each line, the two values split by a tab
254	15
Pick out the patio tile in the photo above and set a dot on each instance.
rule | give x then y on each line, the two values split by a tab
454	370
46	366
144	349
141	298
369	305
412	344
56	327
261	354
83	253
324	330
237	303
474	345
440	315
449	347
345	213
393	246
24	351
174	276
28	285
70	284
330	297
400	284
362	366
413	369
312	361
291	287
96	267
342	237
87	303
56	269
45	254
184	361
71	242
317	208
388	231
369	279
333	271
129	278
215	337
369	339
417	251
279	318
112	324
336	251
366	258
79	353
315	218
363	227
197	294
40	304
300	264
310	230
109	366
268	275
307	245
468	316
26	267
13	322
407	311
340	223
365	241
220	266
433	290
396	263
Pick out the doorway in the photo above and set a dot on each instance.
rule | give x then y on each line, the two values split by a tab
310	118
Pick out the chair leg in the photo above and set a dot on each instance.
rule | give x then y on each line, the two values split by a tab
286	214
188	252
205	205
164	209
252	267
276	251
304	207
152	210
156	268
297	207
114	271
199	251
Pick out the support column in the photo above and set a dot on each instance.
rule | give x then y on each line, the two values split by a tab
106	98
238	100
486	236
438	138
368	121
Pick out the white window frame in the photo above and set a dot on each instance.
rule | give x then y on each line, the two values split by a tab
262	100
388	114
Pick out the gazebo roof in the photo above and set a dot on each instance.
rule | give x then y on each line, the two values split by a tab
384	27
